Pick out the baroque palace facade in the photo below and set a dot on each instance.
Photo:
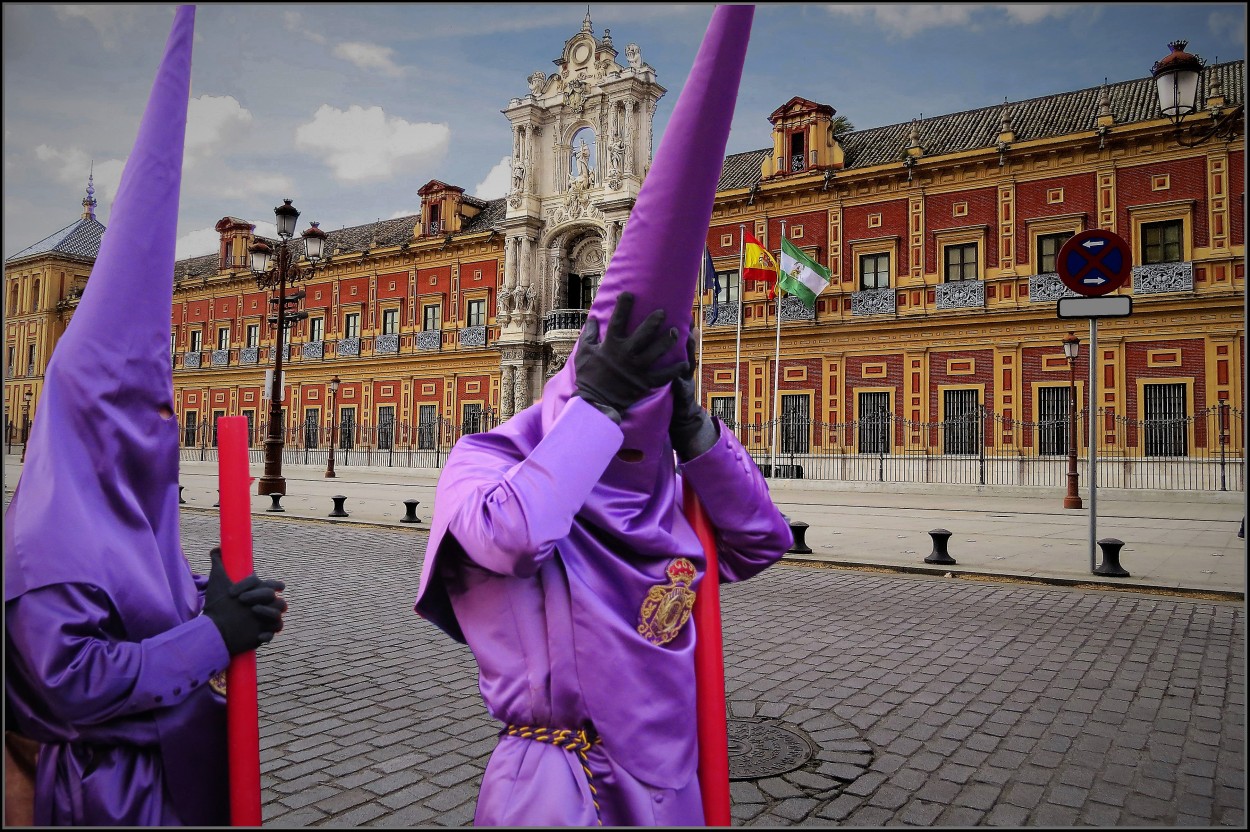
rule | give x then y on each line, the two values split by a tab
941	237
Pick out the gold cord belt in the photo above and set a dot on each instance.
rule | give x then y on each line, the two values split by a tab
579	741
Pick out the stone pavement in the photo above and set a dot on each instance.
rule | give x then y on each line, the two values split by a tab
857	697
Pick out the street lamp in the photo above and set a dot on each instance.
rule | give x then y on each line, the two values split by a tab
274	270
334	390
1177	79
26	397
1072	348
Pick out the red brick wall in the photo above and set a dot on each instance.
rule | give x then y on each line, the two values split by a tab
983	373
392	285
815	225
982	210
319	295
855	227
1188	181
1079	196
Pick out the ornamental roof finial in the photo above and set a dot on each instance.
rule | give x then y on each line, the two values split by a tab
89	202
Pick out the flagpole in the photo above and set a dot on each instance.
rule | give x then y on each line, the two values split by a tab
742	243
777	365
698	383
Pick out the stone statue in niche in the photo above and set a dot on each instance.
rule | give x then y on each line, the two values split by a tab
584	174
518	175
617	151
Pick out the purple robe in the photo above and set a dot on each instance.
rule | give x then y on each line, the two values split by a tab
543	548
107	657
104	706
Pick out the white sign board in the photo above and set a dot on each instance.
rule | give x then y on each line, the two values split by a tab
1106	306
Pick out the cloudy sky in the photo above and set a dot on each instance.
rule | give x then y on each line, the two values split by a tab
349	108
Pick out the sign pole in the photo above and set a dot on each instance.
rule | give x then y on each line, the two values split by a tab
1093	444
1094	264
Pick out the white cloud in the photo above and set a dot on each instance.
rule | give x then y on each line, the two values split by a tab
110	21
497	182
196	243
369	56
214	120
1028	13
1229	23
407	212
365	144
72	166
904	20
295	23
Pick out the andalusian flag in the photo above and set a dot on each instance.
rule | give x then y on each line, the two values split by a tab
757	262
801	276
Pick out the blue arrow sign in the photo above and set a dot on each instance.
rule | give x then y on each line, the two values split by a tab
1094	262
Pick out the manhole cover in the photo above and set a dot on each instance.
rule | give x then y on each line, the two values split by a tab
763	748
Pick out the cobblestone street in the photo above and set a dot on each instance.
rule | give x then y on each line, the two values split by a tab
856	698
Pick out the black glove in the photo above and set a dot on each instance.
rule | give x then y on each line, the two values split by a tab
246	613
692	430
616	373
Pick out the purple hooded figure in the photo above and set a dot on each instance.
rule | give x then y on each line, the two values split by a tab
113	646
558	549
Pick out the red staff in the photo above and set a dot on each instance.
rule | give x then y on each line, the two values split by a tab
242	711
709	678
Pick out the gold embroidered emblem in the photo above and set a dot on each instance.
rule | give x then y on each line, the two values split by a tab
218	683
666	609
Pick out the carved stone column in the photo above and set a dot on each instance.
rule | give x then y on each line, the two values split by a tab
507	377
521	390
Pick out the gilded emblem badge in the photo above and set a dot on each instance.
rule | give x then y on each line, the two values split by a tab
218	683
666	609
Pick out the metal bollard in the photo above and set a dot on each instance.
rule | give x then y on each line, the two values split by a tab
798	529
939	553
411	508
181	501
1110	566
338	499
276	496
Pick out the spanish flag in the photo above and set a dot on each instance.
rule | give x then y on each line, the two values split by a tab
758	263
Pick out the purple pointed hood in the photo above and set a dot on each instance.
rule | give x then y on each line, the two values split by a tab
97	501
660	252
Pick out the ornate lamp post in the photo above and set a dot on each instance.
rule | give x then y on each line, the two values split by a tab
274	270
1177	79
26	397
334	391
1072	348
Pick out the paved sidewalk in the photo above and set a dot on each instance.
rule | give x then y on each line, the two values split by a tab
1173	540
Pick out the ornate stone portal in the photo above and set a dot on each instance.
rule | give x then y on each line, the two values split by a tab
582	143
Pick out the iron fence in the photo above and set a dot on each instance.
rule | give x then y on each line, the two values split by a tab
1202	452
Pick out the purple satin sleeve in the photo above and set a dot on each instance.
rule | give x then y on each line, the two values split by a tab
751	533
509	523
200	581
75	672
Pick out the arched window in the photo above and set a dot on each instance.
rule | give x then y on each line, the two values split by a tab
34	298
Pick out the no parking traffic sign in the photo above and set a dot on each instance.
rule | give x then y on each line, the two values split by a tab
1094	262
